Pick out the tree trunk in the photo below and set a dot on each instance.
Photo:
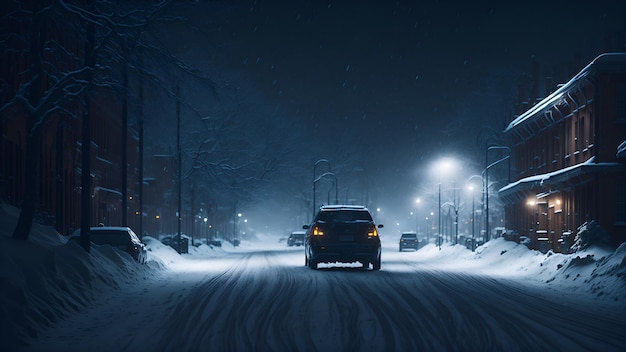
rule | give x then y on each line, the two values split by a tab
59	215
124	175
85	193
27	213
33	135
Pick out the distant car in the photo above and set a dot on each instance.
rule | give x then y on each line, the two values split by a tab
408	240
120	237
342	233
172	241
296	238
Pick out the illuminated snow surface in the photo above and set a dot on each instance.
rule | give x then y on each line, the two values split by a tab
259	296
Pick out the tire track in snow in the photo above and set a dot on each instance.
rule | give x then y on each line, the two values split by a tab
268	301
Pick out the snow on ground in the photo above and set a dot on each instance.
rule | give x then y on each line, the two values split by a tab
596	273
48	278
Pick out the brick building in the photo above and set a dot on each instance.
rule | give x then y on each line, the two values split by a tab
569	166
58	181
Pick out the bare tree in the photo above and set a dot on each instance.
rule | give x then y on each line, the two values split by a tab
60	73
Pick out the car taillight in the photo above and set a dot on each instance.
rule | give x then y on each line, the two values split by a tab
317	231
373	233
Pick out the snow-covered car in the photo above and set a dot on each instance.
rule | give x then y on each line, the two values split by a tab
172	241
342	233
119	237
296	238
408	240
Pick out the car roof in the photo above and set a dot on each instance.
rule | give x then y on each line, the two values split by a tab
342	207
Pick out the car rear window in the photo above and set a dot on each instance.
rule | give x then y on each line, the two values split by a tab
410	236
345	216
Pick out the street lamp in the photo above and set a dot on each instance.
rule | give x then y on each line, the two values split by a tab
443	166
487	167
316	179
331	174
417	218
471	190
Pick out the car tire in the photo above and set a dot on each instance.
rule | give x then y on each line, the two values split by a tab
376	264
306	260
312	264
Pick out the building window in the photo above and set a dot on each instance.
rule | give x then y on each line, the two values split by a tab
620	204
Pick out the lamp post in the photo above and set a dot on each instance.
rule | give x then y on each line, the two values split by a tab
331	174
417	218
487	166
471	189
432	224
315	180
443	166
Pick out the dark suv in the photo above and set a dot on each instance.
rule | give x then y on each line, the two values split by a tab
342	233
408	240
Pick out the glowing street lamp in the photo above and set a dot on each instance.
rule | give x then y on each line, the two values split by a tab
471	189
442	167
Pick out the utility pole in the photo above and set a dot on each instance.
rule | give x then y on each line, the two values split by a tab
180	167
487	166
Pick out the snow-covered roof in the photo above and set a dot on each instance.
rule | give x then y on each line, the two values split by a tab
605	61
621	150
540	179
589	166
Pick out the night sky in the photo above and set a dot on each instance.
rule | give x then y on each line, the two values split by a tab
402	82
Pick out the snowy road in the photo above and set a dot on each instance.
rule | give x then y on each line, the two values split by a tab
267	300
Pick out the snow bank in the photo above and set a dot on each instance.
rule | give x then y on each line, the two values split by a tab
45	278
596	272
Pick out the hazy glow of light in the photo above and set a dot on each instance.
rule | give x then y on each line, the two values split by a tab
445	166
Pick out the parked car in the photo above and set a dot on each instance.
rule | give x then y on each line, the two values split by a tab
172	241
408	240
119	237
342	233
296	238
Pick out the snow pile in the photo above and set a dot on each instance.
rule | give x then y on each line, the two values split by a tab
596	271
44	279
